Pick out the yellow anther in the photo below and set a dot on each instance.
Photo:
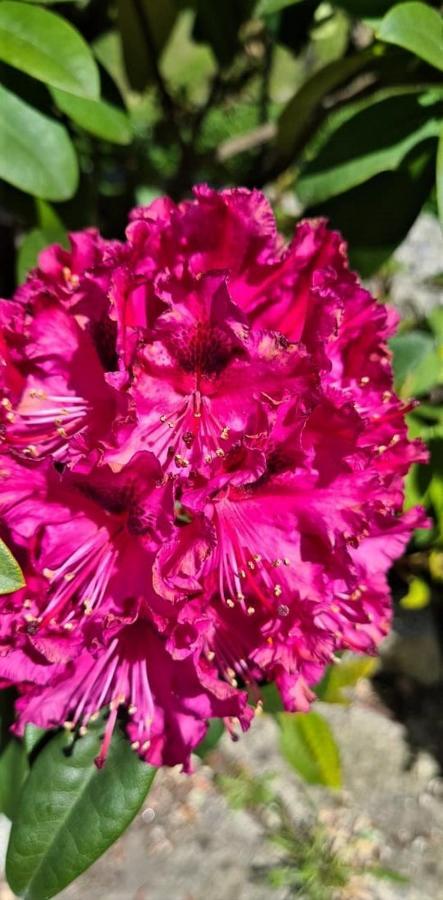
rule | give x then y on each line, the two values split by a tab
49	574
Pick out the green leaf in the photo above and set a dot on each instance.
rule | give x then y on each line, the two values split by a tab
296	118
44	45
376	216
33	736
96	116
435	321
32	244
49	2
415	27
214	733
71	812
416	363
49	231
14	768
36	154
11	575
186	65
365	139
109	52
47	217
268	7
271	698
309	746
418	595
344	674
439	177
436	565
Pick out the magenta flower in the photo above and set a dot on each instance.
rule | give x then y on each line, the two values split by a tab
201	473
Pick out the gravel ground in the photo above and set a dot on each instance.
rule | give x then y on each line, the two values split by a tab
187	844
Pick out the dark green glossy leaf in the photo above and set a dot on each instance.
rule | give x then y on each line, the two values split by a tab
365	139
36	154
71	812
214	733
99	118
416	27
271	698
14	768
11	576
376	216
44	45
308	745
296	119
33	736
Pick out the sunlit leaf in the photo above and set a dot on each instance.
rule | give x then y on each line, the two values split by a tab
36	154
109	52
416	27
344	675
418	595
46	46
309	746
96	116
436	564
268	7
365	139
11	575
376	216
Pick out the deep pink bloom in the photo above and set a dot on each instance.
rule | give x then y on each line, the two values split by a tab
201	473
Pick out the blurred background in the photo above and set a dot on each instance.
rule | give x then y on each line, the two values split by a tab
333	109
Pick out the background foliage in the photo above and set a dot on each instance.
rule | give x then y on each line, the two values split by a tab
336	108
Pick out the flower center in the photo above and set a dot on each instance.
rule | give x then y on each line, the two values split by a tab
205	351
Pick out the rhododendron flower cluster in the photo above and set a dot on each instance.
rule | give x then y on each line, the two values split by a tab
201	471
